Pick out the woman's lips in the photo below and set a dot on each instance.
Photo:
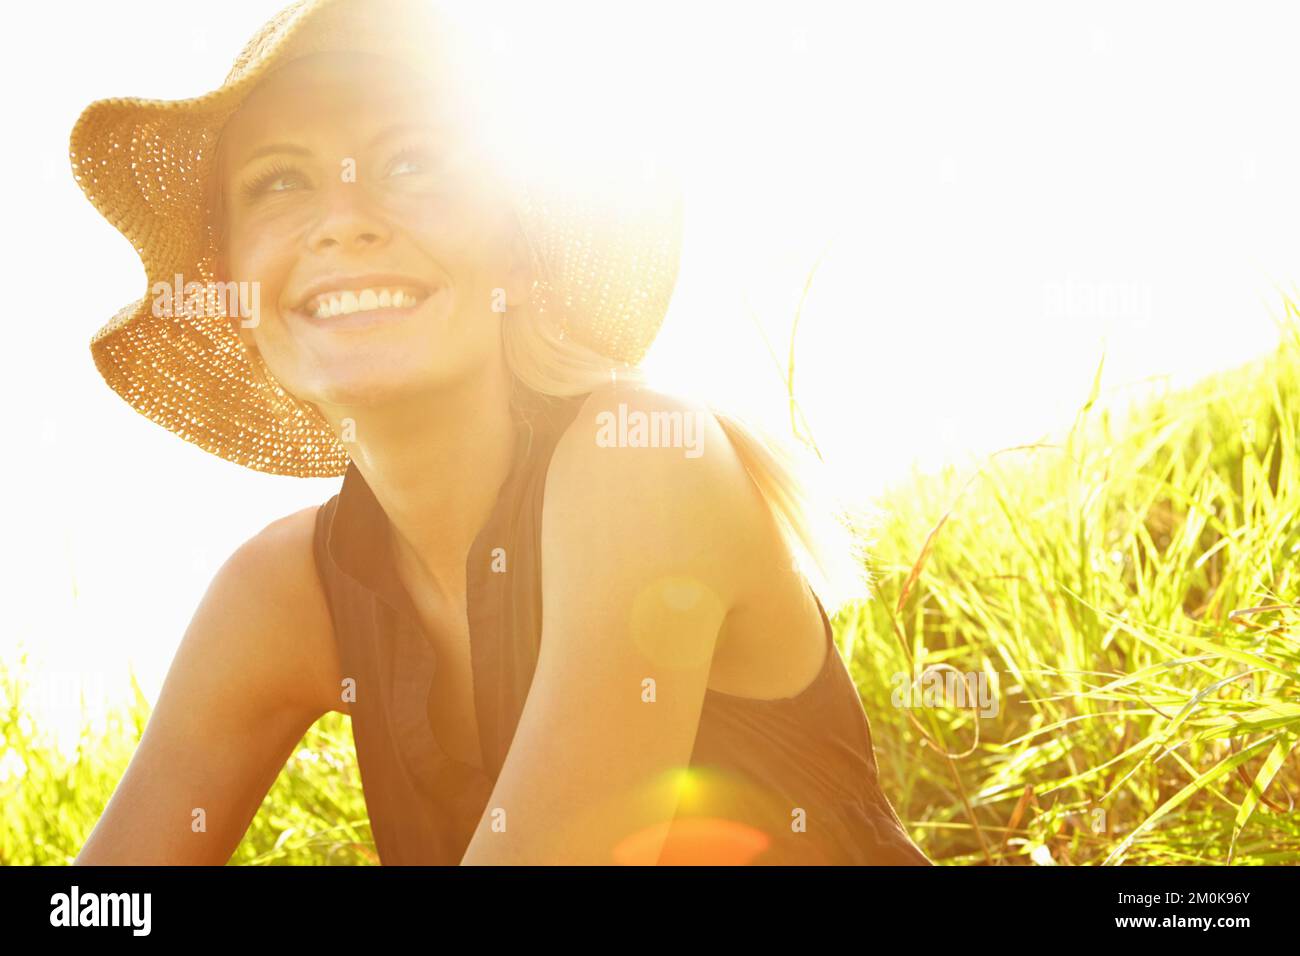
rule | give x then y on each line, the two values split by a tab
365	308
345	301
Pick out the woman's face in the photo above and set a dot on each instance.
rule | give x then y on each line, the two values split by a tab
383	253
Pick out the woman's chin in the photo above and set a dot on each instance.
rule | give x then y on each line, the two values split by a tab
372	387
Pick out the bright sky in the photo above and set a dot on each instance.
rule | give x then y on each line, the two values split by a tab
1000	191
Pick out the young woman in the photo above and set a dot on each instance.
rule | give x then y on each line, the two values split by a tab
563	609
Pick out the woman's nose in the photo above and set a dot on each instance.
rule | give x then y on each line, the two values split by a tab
347	221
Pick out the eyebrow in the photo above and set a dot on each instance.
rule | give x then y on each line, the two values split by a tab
400	129
293	149
272	149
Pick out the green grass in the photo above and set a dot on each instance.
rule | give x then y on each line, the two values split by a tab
1128	590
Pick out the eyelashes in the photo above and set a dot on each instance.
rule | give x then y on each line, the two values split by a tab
410	154
254	189
260	186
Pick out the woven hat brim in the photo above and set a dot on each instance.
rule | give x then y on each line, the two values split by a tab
143	164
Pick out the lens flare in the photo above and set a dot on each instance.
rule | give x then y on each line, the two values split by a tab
716	822
695	841
672	620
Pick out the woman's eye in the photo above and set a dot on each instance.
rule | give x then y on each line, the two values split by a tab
277	180
409	162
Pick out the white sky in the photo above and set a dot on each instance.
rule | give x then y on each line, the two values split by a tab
1002	190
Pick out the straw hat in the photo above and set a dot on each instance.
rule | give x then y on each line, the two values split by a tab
607	268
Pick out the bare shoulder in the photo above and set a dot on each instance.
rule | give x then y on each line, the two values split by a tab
639	462
270	589
665	447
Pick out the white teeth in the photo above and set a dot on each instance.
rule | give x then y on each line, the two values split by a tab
330	304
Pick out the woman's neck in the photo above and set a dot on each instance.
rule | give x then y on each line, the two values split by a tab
435	463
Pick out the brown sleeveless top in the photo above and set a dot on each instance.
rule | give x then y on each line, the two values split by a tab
786	781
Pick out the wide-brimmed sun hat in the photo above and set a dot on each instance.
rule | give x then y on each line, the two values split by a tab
607	267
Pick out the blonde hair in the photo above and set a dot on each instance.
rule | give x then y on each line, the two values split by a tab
826	539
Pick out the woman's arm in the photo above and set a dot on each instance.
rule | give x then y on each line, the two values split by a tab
644	553
252	674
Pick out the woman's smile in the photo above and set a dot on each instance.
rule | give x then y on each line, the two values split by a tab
363	316
340	304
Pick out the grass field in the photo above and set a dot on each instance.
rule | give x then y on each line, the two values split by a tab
1127	593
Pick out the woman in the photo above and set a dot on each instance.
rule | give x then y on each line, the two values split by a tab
462	348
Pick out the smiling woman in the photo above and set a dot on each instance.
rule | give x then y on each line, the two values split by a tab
331	155
557	642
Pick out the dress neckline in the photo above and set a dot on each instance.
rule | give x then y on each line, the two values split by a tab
358	541
358	536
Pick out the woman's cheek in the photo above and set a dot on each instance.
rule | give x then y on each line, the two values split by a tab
437	219
265	256
272	232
